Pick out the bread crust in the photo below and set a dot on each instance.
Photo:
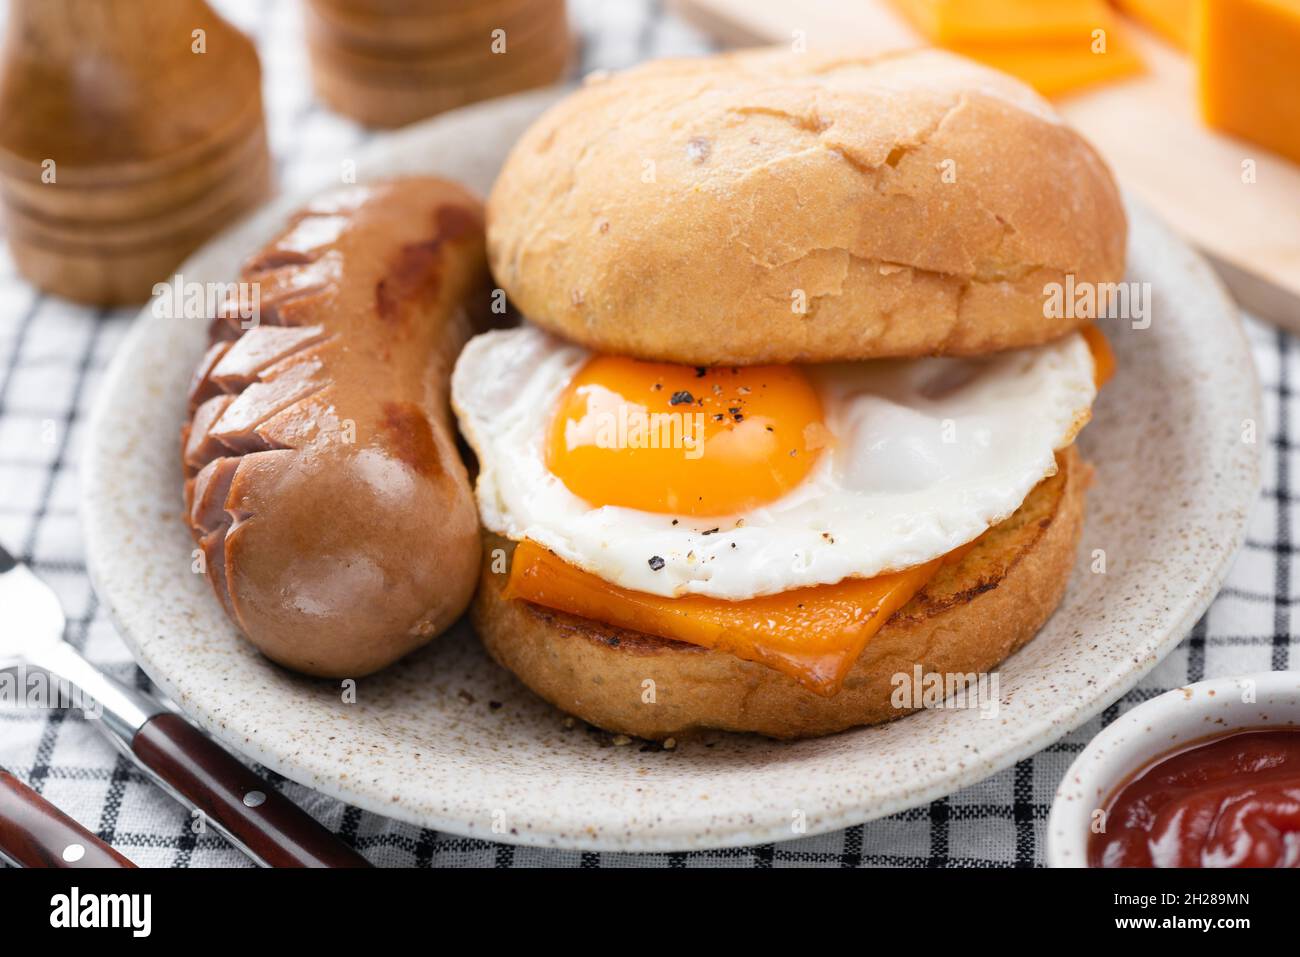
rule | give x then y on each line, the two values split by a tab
970	617
909	204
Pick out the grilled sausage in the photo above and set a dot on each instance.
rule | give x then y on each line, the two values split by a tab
323	483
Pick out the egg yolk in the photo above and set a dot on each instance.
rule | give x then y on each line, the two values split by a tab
686	441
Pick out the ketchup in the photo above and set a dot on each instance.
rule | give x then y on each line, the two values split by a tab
1226	801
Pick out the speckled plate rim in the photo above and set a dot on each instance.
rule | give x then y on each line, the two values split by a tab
1233	381
1152	729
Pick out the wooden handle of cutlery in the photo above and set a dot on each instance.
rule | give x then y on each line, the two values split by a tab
35	833
256	815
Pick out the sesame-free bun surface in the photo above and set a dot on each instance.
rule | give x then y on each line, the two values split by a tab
968	618
909	204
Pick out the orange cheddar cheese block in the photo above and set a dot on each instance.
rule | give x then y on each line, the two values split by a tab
981	21
1172	19
1056	46
1248	60
811	634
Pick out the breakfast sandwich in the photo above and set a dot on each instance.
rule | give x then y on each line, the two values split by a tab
787	416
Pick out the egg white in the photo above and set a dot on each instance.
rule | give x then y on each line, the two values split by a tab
926	455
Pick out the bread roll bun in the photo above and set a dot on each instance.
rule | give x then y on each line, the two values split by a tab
769	206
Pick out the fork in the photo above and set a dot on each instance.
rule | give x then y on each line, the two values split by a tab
182	760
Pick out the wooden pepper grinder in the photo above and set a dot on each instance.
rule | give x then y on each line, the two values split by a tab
130	131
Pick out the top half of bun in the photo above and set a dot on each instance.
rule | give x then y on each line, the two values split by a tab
771	206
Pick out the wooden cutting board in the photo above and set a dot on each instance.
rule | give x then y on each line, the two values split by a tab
1147	127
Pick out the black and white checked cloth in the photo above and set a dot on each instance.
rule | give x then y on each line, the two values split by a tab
52	355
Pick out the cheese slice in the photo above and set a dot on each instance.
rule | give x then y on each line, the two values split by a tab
1055	67
966	21
811	634
1056	46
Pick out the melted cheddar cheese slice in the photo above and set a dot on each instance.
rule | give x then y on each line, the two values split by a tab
811	634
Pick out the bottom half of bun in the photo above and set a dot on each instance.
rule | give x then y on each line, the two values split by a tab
968	618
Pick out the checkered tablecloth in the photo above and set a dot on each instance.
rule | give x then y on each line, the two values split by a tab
52	355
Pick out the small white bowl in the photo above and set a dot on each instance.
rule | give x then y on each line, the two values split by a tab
1127	744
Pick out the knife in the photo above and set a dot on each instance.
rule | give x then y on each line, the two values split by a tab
177	756
35	833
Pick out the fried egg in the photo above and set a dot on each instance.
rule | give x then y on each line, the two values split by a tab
738	482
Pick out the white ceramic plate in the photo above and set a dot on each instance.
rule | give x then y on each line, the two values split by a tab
447	740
